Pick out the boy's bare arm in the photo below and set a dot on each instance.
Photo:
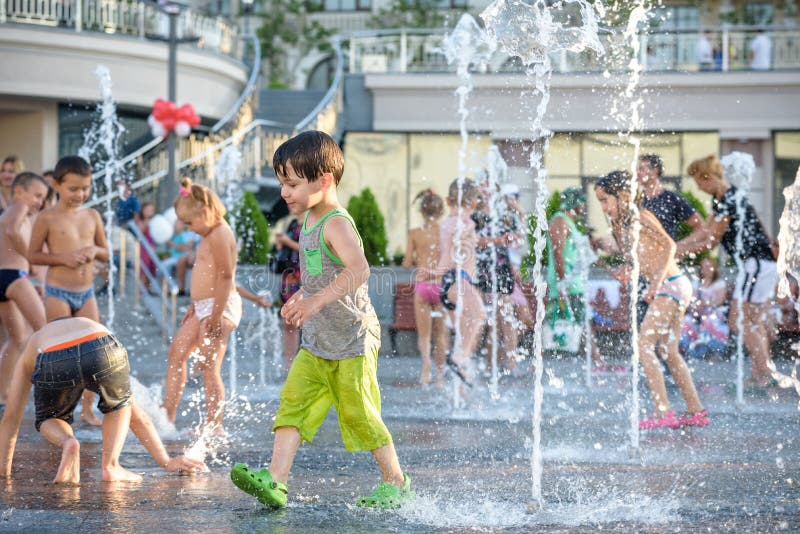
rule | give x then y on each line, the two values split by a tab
224	263
15	407
15	216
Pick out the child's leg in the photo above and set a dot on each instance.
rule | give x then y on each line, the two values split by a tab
757	340
652	326
472	319
115	429
210	363
284	448
17	334
677	365
186	341
422	314
55	308
59	433
90	310
389	465
28	301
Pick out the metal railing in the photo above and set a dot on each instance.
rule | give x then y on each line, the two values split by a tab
257	141
418	50
121	17
161	278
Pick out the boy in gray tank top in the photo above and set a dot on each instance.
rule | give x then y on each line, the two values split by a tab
337	362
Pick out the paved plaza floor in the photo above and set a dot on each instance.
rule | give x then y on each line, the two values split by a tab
470	467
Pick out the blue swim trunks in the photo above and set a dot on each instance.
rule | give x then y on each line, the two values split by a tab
75	299
8	277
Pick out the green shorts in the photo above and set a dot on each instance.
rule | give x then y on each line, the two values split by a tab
350	385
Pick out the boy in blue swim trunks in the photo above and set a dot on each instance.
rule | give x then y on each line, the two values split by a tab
75	238
19	302
337	362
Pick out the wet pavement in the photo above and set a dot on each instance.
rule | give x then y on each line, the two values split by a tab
470	467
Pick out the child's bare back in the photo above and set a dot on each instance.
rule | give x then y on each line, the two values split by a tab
425	249
654	250
458	240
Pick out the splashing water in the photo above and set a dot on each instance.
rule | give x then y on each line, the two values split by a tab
789	256
467	45
149	400
530	32
226	173
102	143
638	15
738	168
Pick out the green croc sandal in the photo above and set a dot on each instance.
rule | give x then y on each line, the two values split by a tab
388	495
260	485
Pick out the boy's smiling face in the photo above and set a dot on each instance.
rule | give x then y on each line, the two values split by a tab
300	194
73	190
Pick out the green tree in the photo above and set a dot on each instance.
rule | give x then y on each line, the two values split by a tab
370	224
409	14
287	27
684	229
251	229
529	261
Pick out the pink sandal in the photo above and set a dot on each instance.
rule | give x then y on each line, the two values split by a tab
695	419
667	420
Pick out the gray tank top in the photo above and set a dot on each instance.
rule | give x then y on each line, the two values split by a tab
345	328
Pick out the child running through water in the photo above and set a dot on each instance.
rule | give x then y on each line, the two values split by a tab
75	238
60	361
216	307
337	361
19	301
669	291
459	242
422	251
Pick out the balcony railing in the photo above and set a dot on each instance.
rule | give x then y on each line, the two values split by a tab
415	50
137	19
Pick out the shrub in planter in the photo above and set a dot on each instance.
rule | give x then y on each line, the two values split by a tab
369	221
251	230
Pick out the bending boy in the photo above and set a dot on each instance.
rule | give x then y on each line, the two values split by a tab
61	360
337	362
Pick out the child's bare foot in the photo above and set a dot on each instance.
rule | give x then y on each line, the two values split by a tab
89	417
425	375
69	470
118	473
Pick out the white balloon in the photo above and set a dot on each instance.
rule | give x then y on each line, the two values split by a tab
170	215
160	229
183	129
157	129
151	119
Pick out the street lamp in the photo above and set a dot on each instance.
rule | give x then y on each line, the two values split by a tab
171	8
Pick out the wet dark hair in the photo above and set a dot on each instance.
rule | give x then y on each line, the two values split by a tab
25	179
311	154
431	204
71	164
614	182
653	161
469	190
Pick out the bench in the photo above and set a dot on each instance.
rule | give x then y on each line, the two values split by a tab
403	312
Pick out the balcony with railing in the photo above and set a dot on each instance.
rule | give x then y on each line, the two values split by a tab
419	51
121	17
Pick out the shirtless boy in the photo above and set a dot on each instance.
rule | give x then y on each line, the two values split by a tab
75	237
19	301
60	360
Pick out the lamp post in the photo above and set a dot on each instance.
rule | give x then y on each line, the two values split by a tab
171	8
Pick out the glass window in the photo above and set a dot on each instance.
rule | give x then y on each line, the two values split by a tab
787	161
675	17
347	5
